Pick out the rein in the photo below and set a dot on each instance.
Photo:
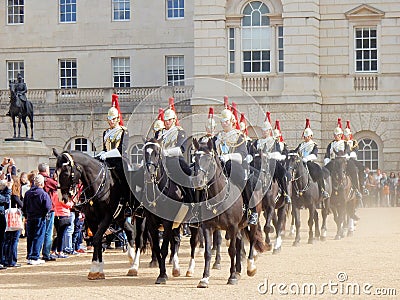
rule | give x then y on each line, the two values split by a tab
295	180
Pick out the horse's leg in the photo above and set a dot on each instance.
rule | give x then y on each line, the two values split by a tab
251	267
14	125
311	213
316	223
268	214
234	251
19	127
207	234
175	243
279	226
324	213
162	277
31	121
26	126
292	223
296	214
193	244
96	270
217	241
132	230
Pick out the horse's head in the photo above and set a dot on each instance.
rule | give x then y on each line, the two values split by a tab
204	163
339	166
152	156
68	174
294	164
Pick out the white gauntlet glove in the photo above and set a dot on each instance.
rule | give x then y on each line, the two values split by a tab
172	152
232	156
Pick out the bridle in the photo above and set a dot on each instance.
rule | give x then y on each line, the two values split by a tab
75	174
293	171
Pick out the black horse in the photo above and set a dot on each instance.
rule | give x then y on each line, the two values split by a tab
222	209
274	206
17	110
163	199
304	193
102	202
343	200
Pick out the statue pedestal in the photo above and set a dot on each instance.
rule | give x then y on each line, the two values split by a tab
26	153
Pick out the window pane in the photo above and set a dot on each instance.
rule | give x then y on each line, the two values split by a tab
121	71
121	10
175	70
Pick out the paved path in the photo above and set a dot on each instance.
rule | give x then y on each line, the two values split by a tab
370	259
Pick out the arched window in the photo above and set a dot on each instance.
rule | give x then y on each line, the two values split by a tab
368	153
256	38
81	144
136	155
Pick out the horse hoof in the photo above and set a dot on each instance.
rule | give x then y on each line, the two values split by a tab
161	280
189	273
96	276
216	266
311	241
132	272
232	281
322	238
350	233
338	237
268	247
176	272
295	244
251	273
277	250
202	285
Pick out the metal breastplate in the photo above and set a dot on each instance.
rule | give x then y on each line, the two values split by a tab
227	141
336	146
112	138
170	137
306	148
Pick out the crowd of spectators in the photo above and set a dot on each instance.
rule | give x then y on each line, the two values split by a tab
381	190
53	230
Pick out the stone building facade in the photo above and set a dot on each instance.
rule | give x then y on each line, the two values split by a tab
317	59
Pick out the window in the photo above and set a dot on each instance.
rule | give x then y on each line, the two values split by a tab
256	38
121	71
15	11
121	10
175	70
368	153
366	52
136	155
280	49
175	9
81	144
13	68
231	49
67	11
68	74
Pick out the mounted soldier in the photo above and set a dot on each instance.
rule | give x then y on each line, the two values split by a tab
231	148
268	144
115	145
308	151
20	90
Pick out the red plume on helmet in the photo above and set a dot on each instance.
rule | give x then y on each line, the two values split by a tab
226	103
339	123
160	114
268	117
115	103
307	126
278	126
211	113
348	126
171	105
235	113
243	121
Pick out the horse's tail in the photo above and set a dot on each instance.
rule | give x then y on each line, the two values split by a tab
258	240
